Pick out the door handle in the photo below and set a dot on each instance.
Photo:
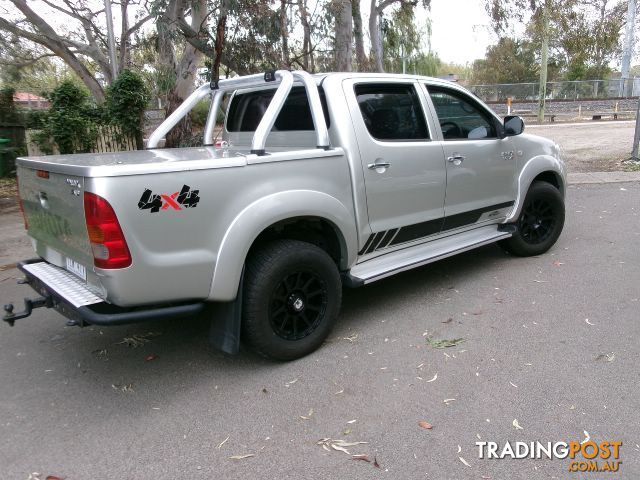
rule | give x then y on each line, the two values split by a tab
374	166
456	159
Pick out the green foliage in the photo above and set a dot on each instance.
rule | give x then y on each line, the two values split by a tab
8	112
72	119
126	100
509	61
199	113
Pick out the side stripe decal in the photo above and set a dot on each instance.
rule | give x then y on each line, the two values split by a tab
408	233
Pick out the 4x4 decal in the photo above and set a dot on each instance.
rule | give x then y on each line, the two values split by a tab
186	198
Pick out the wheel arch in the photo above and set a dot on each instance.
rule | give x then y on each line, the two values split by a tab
303	215
542	168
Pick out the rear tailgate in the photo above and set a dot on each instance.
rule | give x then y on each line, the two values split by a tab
54	209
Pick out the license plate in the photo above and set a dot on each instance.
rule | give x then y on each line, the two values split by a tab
76	268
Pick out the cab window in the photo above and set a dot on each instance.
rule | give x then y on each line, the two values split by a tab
391	112
460	117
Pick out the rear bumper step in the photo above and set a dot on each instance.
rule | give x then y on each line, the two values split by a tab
66	294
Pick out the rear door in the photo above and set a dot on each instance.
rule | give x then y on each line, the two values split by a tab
481	183
404	169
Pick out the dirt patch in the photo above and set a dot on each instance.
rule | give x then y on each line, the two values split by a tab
591	147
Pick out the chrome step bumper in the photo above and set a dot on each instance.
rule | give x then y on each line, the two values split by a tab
69	287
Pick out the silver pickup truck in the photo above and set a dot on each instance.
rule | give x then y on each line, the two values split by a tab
318	182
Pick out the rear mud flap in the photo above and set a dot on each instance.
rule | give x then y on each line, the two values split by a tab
226	318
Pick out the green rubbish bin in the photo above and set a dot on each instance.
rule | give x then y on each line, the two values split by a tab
4	157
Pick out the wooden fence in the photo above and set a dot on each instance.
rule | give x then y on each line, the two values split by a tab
110	139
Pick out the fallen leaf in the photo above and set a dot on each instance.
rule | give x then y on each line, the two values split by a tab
516	424
53	477
346	431
433	379
557	263
444	343
464	461
339	448
240	457
151	358
139	339
426	425
308	416
607	357
223	442
447	401
364	458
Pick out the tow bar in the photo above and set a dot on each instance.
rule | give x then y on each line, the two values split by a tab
29	305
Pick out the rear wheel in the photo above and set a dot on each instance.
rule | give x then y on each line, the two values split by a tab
292	296
540	222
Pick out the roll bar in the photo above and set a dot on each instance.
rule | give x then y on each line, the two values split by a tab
216	90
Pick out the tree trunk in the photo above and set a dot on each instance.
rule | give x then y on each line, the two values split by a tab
361	57
284	34
344	35
307	59
186	67
376	37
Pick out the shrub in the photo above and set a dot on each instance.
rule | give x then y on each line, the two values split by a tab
126	100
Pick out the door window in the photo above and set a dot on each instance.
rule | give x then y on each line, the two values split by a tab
391	112
460	117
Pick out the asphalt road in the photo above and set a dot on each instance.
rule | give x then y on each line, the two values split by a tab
551	342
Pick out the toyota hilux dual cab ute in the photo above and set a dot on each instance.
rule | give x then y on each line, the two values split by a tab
318	182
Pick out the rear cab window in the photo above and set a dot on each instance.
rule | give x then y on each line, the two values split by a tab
391	112
247	109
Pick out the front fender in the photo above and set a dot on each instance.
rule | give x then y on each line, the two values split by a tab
534	167
263	213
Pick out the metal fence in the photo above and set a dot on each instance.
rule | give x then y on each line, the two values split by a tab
568	90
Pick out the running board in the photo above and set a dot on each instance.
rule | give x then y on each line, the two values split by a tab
408	258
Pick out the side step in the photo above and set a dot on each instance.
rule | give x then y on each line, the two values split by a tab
408	258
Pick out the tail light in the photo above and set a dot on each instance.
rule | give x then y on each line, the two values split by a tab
108	244
21	205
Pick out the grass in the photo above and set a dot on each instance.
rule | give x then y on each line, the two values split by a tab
632	166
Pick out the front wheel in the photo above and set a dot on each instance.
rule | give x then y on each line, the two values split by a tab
540	222
292	296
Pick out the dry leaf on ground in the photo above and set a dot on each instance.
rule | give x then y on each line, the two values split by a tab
516	425
241	457
426	425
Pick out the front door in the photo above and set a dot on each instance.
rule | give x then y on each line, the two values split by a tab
481	183
404	170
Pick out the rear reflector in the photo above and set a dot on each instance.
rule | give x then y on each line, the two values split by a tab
108	244
42	173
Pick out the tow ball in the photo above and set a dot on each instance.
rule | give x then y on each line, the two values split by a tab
29	305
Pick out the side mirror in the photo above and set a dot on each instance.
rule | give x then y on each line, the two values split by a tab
513	125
